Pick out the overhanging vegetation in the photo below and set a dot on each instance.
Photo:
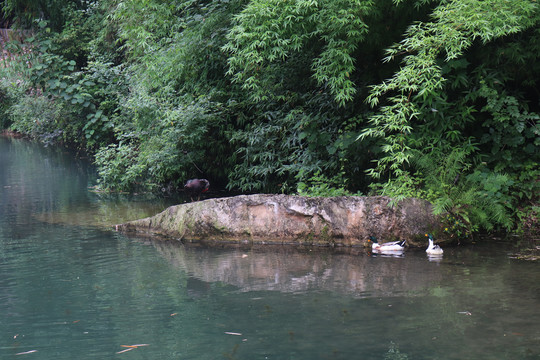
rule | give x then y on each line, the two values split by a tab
431	99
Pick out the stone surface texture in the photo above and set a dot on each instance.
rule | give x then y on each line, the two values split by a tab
296	220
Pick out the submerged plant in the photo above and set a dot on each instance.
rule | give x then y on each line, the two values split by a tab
394	353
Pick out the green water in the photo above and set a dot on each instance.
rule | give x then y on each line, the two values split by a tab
71	288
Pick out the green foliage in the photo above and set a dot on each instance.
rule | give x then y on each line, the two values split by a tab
4	106
456	24
117	165
512	133
277	96
268	148
45	64
92	93
320	185
274	32
7	100
188	60
27	11
74	41
284	146
475	198
40	118
141	24
82	102
13	83
95	93
172	151
449	126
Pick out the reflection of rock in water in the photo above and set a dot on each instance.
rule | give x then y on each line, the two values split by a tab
101	214
291	269
197	288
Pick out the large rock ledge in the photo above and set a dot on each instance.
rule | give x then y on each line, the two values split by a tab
296	220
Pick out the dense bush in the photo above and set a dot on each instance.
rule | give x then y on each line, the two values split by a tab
38	117
6	101
292	97
163	155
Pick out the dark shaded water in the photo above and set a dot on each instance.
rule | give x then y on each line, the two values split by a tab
71	288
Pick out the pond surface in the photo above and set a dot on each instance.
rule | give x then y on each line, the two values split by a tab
71	288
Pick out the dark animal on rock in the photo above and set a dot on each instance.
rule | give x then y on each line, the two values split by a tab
195	187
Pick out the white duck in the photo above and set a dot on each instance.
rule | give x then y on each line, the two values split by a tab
386	247
433	249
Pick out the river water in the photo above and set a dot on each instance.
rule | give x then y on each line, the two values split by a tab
72	288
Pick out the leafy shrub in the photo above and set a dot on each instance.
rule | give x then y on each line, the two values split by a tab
73	42
475	197
273	96
118	168
40	118
173	150
5	102
320	185
271	31
13	84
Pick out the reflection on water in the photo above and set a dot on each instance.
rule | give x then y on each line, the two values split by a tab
48	185
287	269
469	304
71	288
104	212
